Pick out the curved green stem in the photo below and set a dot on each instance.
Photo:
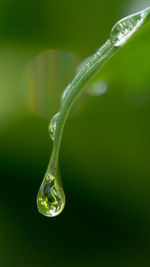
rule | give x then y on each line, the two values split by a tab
120	33
87	71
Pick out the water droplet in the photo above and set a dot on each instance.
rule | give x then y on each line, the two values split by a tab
127	26
97	88
52	126
51	197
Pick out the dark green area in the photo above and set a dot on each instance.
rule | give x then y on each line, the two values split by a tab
105	151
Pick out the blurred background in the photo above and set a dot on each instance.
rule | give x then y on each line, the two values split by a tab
105	150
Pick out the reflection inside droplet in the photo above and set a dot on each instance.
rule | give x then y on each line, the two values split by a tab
50	198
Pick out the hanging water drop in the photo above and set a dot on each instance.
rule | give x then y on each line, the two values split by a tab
51	197
126	27
52	126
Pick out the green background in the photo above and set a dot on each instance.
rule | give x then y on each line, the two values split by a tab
105	151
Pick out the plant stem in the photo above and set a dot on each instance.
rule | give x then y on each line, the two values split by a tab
85	74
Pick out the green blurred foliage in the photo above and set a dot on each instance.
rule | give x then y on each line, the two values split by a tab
105	150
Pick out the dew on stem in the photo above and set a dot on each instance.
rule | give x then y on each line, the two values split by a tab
126	27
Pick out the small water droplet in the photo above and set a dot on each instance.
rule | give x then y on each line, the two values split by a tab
52	126
97	88
51	197
127	26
